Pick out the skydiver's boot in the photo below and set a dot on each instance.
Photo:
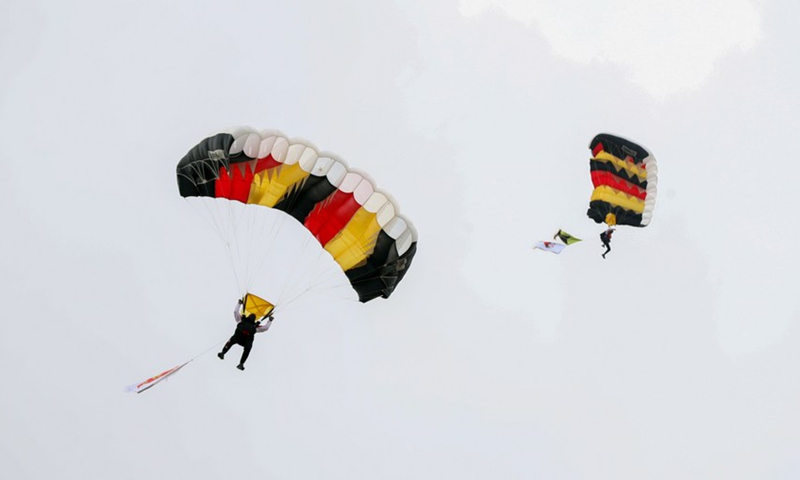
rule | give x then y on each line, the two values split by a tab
225	349
240	367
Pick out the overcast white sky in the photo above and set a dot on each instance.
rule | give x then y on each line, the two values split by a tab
677	357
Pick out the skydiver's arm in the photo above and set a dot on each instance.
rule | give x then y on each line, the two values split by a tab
236	314
265	327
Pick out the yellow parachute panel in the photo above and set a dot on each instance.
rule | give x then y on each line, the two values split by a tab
257	306
270	186
621	165
615	197
356	241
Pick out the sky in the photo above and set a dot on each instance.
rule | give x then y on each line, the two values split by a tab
675	357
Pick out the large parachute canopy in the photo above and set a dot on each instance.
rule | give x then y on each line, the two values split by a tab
625	178
268	195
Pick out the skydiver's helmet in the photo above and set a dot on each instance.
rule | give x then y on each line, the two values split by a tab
251	318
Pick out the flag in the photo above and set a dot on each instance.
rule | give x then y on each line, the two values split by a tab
566	237
152	381
550	247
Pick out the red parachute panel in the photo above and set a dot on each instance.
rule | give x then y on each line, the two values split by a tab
600	177
236	185
330	216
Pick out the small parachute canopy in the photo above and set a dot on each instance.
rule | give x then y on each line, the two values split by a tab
625	178
256	306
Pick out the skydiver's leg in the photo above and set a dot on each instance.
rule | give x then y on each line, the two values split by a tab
608	249
225	349
246	353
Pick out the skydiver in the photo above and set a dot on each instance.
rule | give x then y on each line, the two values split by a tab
246	328
605	237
